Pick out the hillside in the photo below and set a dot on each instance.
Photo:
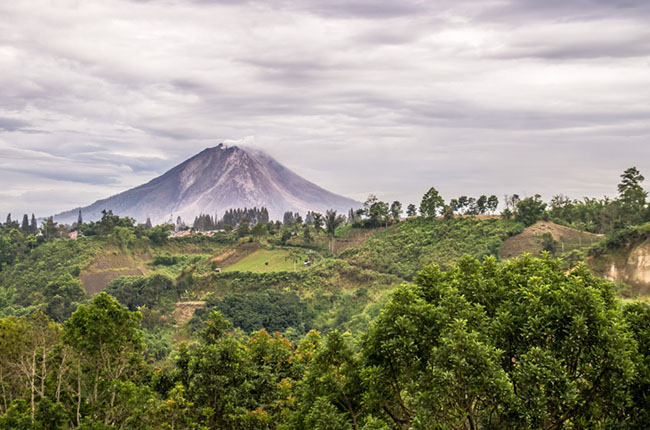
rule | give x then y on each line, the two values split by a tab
624	257
409	246
213	181
531	240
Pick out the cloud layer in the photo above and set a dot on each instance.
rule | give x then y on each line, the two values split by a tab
361	96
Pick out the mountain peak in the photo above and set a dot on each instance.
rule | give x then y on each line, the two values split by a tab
214	180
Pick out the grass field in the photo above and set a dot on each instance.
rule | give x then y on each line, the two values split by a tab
278	260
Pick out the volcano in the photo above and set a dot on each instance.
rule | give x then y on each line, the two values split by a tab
213	181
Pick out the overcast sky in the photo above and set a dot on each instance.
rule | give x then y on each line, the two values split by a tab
359	96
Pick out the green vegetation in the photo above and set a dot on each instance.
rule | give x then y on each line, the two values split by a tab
336	294
265	260
483	345
469	343
269	309
621	238
22	284
409	246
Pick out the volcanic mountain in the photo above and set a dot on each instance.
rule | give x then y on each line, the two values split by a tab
214	180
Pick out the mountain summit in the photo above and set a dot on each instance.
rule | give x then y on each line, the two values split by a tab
214	180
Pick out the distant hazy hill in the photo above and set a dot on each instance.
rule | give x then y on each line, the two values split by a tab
213	181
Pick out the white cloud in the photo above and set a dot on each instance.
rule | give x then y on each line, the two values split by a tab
358	96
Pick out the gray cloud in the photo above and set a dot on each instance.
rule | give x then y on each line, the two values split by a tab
12	124
359	96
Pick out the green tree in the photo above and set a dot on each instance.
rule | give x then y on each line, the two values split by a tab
6	251
548	243
50	229
632	196
243	229
378	213
159	234
332	221
486	345
432	203
318	222
62	296
220	377
333	384
454	205
306	234
637	316
492	203
259	230
411	210
24	226
530	210
482	204
33	225
108	344
395	210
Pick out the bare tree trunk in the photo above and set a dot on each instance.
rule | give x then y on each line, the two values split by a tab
4	391
59	376
43	373
33	380
78	394
107	420
95	384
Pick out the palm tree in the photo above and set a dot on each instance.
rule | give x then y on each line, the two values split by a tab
332	220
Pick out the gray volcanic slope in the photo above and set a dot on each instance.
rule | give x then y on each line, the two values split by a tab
214	180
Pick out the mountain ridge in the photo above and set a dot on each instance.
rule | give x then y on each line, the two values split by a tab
215	180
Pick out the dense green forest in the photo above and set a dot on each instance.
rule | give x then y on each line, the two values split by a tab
367	321
483	345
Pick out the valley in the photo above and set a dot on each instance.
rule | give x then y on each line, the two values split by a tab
287	319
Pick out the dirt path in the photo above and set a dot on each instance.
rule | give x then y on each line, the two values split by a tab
184	311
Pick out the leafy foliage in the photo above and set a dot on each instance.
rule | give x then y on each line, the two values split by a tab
270	309
410	246
515	345
136	291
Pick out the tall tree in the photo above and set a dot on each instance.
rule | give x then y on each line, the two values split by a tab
371	200
49	228
318	222
411	210
431	204
377	213
530	210
396	210
108	344
80	220
492	203
33	225
24	227
243	228
332	221
632	196
463	203
481	204
511	201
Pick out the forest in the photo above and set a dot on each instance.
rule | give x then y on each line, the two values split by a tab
364	321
